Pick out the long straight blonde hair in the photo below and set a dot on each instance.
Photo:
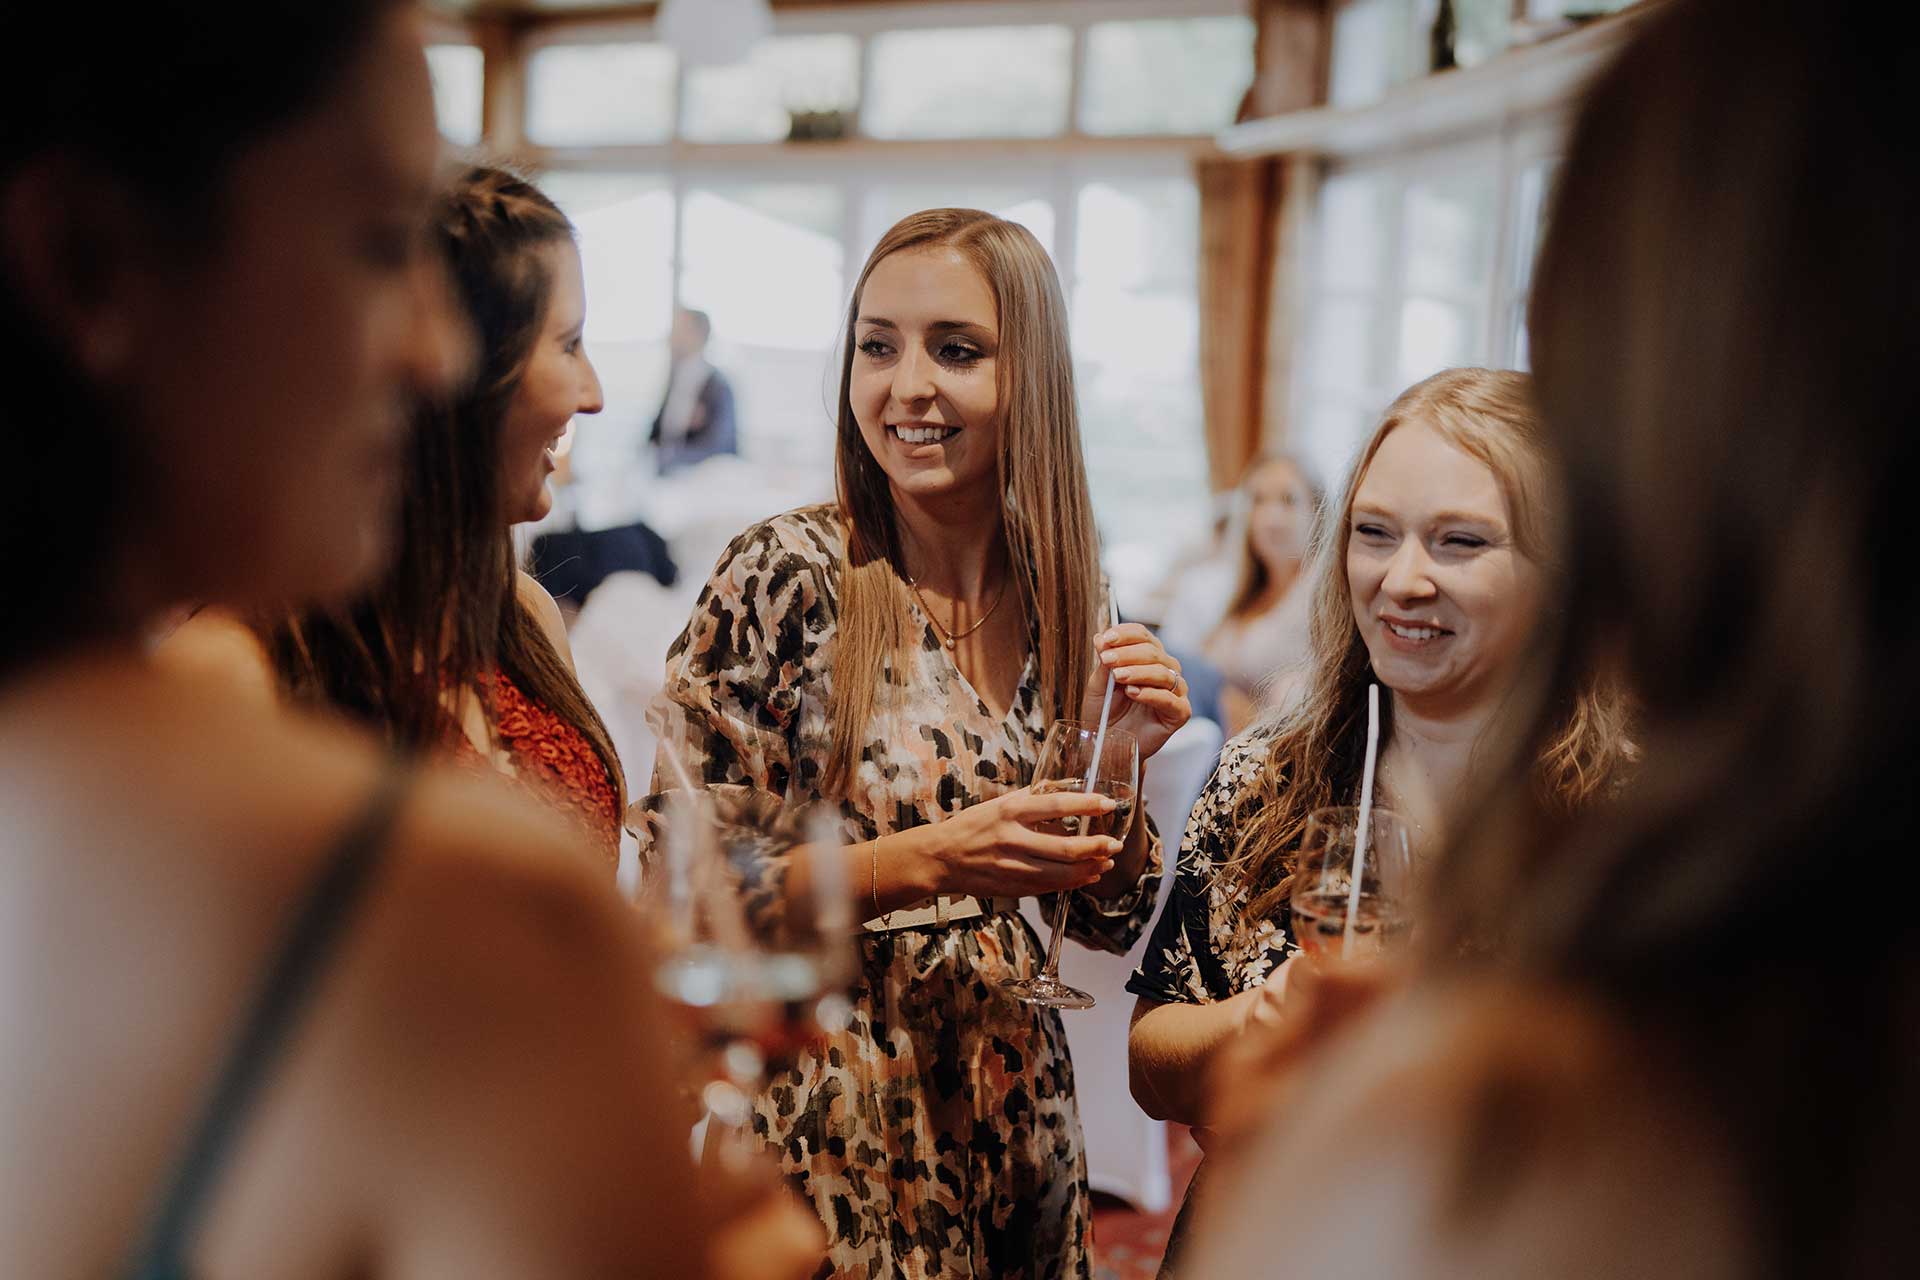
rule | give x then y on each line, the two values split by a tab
1047	517
1316	757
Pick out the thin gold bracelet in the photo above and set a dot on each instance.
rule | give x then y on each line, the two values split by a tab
884	917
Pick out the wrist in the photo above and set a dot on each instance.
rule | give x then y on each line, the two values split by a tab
909	864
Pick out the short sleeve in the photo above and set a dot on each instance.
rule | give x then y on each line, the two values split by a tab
1200	951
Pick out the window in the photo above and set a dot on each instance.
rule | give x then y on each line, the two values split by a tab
1165	76
1447	231
600	94
1420	263
1373	50
1136	342
625	225
1031	205
459	75
970	82
757	100
766	262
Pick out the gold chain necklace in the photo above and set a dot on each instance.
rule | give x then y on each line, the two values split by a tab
952	638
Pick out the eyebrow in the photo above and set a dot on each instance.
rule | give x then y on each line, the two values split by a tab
938	326
1438	517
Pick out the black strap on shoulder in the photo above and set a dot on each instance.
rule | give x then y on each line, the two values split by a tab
312	937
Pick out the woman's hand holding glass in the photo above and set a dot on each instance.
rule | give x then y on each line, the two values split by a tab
1150	694
996	849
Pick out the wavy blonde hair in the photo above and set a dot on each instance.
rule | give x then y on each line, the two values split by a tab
1047	520
1315	757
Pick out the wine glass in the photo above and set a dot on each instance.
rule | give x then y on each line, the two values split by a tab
1330	919
754	979
1077	757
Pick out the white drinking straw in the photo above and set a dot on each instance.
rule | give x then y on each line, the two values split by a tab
1106	709
1366	812
675	764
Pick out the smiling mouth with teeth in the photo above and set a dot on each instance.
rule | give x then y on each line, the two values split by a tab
1416	633
925	435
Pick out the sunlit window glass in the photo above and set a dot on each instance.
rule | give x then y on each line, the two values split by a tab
600	94
979	82
786	85
1136	327
1165	76
886	204
459	74
625	226
766	262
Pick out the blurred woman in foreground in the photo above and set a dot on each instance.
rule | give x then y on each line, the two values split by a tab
1706	1059
274	1003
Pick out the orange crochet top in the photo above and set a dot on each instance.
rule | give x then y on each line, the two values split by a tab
555	761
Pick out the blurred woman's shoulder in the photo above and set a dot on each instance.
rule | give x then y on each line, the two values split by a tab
1488	1130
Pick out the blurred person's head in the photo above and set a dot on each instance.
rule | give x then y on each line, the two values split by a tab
956	388
216	302
1431	579
689	333
448	612
1721	321
1281	506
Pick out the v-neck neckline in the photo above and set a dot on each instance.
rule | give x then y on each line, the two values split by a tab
952	660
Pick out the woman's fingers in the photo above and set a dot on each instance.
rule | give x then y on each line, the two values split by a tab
1160	677
1052	877
1035	806
1164	703
1073	849
1125	633
1138	655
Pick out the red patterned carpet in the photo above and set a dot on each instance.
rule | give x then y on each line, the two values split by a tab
1127	1244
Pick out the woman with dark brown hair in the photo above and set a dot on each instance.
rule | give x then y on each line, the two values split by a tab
1699	1053
457	649
275	1003
900	655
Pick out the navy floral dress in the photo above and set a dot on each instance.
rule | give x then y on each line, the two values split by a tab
937	1135
1205	948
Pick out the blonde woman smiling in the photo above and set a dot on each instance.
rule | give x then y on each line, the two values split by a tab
1431	583
901	654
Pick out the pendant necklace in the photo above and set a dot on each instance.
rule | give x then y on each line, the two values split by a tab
952	638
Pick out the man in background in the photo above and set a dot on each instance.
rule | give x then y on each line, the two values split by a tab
696	421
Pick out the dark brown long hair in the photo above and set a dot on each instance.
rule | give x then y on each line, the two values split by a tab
448	614
169	94
1723	327
1315	757
1052	547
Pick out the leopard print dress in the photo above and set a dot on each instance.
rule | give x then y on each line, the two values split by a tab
937	1136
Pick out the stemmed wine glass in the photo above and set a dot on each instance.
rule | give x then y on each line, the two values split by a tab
753	979
1330	919
1077	757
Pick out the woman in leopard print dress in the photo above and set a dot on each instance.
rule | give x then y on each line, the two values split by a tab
860	653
